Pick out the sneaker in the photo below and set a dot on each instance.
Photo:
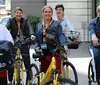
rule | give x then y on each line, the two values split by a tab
10	83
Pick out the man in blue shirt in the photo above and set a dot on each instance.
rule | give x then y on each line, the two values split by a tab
65	23
94	31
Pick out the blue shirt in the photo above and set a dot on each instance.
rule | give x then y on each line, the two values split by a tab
5	34
94	27
66	25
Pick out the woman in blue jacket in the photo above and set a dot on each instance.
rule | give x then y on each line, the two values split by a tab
50	27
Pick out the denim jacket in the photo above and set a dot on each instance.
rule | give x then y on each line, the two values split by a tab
55	29
94	27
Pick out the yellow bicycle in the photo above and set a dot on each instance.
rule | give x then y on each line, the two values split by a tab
51	77
19	63
68	69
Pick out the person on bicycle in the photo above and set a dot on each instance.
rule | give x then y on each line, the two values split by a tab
5	36
20	27
94	31
66	25
52	29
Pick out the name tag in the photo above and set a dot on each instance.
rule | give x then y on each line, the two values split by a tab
44	46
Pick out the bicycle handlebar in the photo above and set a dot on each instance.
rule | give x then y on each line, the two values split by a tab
20	42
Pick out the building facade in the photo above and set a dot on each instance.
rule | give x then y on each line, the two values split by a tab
79	12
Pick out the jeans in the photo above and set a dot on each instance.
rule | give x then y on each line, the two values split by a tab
96	57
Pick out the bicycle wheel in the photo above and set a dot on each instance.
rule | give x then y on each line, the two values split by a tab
33	71
90	73
61	81
18	79
70	72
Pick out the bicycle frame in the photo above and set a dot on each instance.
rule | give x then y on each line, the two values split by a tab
18	61
49	71
62	67
47	76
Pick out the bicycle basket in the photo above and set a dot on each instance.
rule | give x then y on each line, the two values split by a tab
73	37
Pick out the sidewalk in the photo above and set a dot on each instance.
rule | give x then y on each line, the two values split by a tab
80	58
82	51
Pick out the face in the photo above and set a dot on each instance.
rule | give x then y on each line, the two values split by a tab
18	14
47	14
98	13
59	12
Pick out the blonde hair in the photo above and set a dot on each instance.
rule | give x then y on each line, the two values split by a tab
98	8
47	7
18	8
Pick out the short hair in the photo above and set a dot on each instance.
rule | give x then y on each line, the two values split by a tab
47	7
18	8
59	5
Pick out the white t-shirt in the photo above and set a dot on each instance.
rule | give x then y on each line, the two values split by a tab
5	34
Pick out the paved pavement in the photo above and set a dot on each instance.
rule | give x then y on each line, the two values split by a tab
80	58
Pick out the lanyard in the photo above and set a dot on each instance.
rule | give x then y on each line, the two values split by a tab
45	28
18	29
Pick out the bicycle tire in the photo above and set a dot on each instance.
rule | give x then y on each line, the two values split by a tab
18	80
90	73
60	81
75	76
34	69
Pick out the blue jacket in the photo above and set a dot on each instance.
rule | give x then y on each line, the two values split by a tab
94	27
54	29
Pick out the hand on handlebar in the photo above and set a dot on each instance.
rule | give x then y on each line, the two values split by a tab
95	41
66	48
38	50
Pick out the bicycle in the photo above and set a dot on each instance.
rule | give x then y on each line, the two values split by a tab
68	69
19	63
51	76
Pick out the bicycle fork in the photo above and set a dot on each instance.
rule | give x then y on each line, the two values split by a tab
19	68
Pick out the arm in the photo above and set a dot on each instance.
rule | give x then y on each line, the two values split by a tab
91	28
70	27
31	32
92	33
29	27
61	37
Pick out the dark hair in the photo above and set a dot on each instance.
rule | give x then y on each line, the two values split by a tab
59	5
18	8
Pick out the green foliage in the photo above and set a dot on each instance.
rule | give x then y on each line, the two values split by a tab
33	21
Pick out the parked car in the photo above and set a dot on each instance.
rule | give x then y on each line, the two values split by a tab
4	20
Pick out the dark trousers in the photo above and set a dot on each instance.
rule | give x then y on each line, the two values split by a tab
26	59
3	81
